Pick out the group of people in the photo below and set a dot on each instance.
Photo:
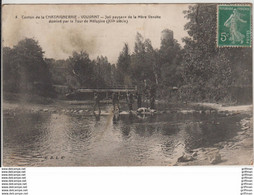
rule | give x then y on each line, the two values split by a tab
116	101
130	99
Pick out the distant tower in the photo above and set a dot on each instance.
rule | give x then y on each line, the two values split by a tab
167	36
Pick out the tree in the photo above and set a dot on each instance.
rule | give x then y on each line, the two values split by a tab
123	66
207	70
103	72
170	59
58	70
143	61
29	72
10	72
81	67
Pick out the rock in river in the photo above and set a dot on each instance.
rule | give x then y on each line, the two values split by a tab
215	158
185	158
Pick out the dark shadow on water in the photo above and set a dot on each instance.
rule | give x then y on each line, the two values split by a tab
209	132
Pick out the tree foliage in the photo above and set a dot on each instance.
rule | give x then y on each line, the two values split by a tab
25	69
123	66
200	69
143	61
207	71
170	58
81	67
103	72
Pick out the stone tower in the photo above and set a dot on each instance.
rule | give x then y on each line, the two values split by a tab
167	35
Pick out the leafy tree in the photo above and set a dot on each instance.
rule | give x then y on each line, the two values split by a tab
58	70
10	71
207	71
103	72
143	61
170	59
123	66
27	69
240	60
81	67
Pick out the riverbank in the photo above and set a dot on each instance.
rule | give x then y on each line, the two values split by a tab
231	108
236	151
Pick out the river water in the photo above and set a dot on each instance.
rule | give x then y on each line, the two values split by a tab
61	139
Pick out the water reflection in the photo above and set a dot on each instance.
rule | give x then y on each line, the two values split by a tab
113	139
23	135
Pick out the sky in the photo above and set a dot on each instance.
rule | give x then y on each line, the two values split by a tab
59	40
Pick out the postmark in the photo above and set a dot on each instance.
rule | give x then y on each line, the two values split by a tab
234	25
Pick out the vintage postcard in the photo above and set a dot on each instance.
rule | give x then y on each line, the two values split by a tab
127	85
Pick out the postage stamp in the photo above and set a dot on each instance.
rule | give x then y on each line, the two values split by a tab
234	25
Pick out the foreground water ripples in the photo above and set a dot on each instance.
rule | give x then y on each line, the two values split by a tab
51	139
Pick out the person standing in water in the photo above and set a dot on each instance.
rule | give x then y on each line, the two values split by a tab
152	96
139	100
115	101
96	102
130	100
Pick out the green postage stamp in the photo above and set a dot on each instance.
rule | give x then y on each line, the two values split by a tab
234	25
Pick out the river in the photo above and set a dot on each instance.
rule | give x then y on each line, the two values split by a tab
66	139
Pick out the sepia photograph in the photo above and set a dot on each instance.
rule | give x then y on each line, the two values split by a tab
127	85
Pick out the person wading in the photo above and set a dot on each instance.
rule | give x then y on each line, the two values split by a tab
139	100
152	97
115	101
130	100
96	103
